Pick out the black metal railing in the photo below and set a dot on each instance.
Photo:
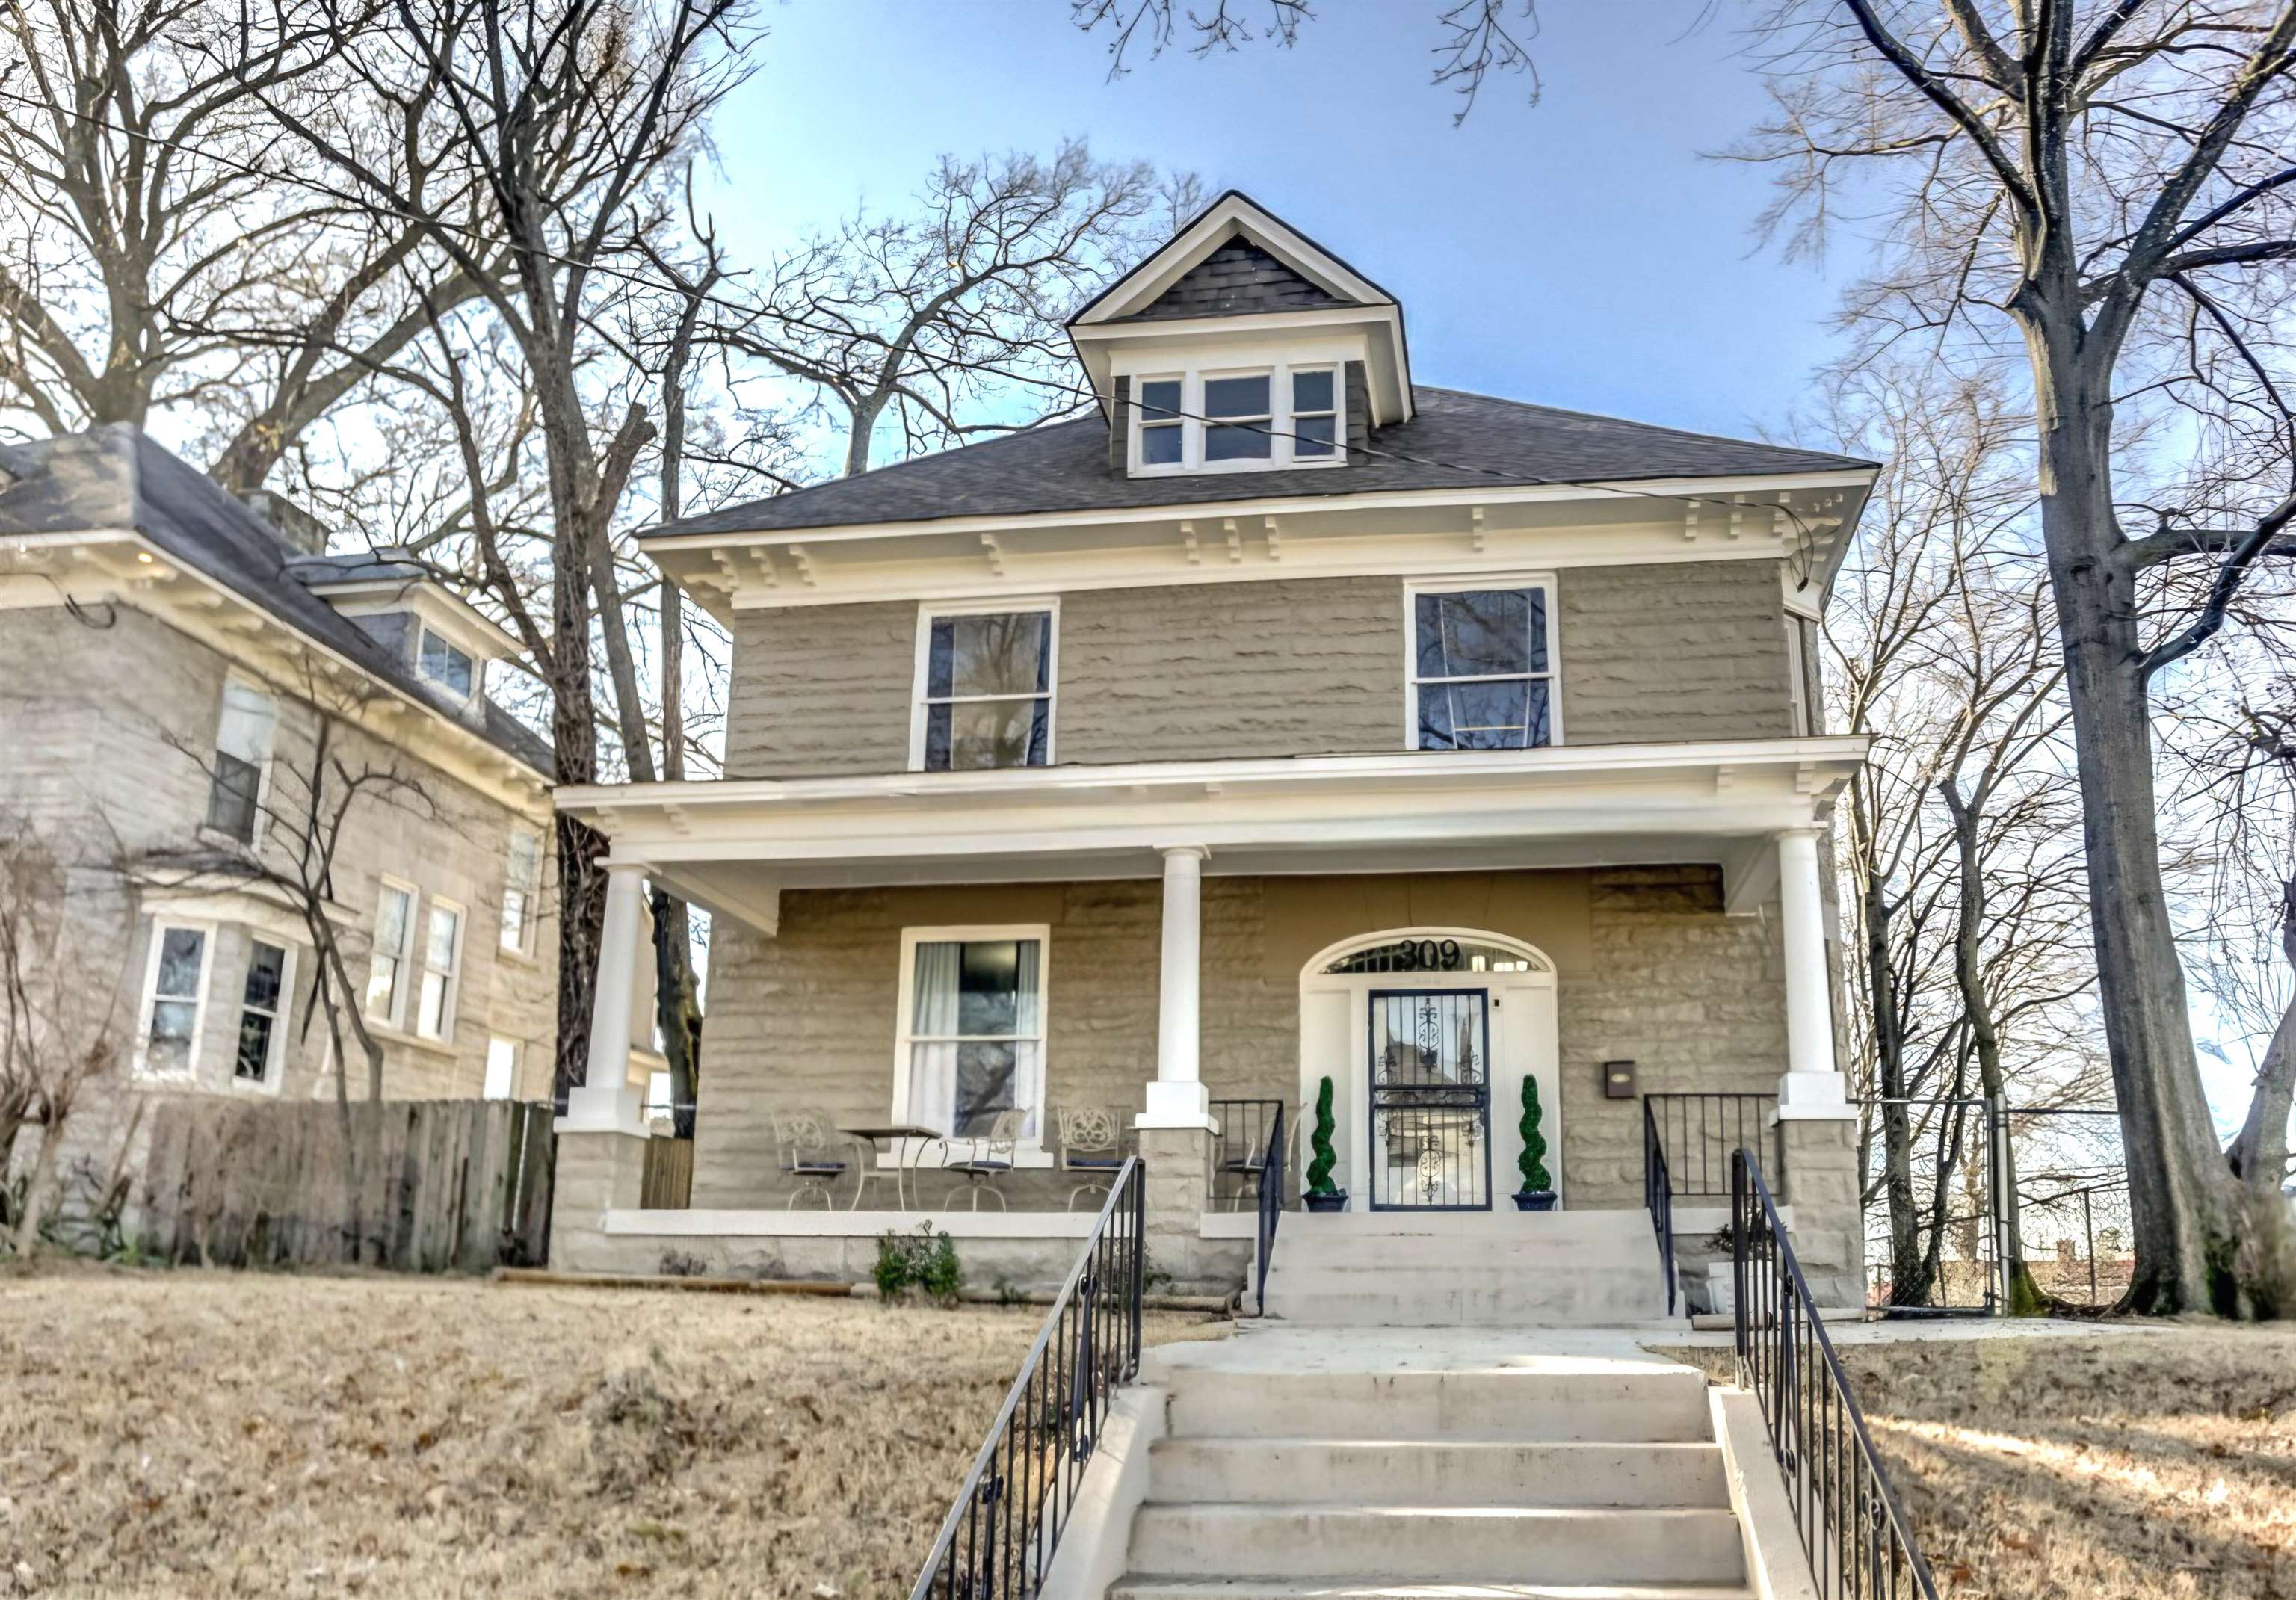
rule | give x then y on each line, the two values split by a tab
998	1538
1238	1151
1701	1132
1859	1545
1271	1203
1658	1197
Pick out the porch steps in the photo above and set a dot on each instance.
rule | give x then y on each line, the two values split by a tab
1503	1269
1376	1465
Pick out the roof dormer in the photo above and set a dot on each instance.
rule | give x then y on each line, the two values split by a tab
1243	346
436	636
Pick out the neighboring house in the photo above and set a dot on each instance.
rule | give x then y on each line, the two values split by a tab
167	658
1284	719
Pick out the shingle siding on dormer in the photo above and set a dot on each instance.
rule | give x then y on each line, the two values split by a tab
1209	671
1236	280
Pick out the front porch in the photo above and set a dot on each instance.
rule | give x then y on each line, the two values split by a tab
1176	960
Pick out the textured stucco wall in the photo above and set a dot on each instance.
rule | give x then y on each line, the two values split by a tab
1273	667
106	734
1648	968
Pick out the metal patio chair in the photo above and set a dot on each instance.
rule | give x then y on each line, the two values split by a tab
802	1145
1091	1147
991	1160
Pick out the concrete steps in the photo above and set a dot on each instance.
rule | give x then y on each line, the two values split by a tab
1384	1465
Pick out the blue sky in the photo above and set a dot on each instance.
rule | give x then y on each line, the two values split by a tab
1579	252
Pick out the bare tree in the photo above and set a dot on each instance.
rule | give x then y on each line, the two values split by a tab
919	319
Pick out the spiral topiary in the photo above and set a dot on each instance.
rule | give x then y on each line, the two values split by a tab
1535	1178
1319	1170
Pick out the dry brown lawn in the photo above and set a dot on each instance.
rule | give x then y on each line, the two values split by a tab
194	1434
2095	1468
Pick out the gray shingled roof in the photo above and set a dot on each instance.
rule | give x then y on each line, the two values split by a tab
114	476
1456	442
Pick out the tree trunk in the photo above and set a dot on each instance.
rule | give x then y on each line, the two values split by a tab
1911	1273
2199	1246
2259	1155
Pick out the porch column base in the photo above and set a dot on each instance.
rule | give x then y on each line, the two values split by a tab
1821	1185
1814	1097
1176	1104
603	1108
1176	1163
597	1172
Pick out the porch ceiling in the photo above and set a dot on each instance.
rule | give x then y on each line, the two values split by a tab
734	845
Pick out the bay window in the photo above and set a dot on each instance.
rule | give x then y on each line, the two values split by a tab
984	690
262	1002
971	1038
174	990
1482	675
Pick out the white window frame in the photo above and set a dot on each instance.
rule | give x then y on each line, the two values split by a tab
395	1016
1798	682
424	631
449	1001
1029	1151
160	928
1280	455
508	1050
274	1061
527	918
262	764
1542	581
931	611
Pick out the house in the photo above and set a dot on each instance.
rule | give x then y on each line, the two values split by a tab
169	663
1284	719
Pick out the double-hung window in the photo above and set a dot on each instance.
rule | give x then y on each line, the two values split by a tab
175	990
442	951
985	690
520	880
263	1003
394	938
446	665
1239	423
1280	416
242	749
972	1031
1314	413
1163	431
1482	673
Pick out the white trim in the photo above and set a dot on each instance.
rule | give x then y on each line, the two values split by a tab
394	1016
1231	214
920	670
1540	962
433	603
1029	1151
1797	675
274	1072
450	996
1551	592
161	925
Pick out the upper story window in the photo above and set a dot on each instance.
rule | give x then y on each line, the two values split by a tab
984	689
520	881
447	665
442	956
1482	677
1221	422
242	751
394	938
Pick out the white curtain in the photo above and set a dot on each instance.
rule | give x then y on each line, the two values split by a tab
1028	1054
932	1066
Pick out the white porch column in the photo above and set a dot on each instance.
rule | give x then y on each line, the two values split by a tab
1176	1099
604	1102
1813	1085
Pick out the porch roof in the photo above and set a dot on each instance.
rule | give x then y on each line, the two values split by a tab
734	845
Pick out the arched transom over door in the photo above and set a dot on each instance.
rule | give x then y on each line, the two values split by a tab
1427	1034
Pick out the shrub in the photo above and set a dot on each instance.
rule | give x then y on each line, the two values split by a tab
921	1261
1319	1170
1536	1179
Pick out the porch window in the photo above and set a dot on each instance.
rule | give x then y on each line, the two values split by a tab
985	691
261	1000
1482	677
973	1034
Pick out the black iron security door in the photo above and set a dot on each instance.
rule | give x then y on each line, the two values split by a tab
1431	1100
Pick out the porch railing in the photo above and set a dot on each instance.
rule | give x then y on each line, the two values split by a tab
998	1538
1700	1132
1859	1545
1237	1173
1658	1198
1271	1203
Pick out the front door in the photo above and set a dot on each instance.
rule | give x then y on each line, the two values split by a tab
1430	1099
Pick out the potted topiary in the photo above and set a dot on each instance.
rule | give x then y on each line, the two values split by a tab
1321	1193
1538	1191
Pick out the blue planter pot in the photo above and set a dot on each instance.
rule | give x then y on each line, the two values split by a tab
1537	1200
1336	1200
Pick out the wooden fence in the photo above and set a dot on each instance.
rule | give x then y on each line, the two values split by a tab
443	1184
668	1183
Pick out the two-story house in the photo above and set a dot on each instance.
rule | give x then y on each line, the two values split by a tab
1282	720
170	663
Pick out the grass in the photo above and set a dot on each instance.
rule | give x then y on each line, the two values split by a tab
2160	1465
243	1434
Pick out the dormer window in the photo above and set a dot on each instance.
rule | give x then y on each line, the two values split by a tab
446	665
1236	421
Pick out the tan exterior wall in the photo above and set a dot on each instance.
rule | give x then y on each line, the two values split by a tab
1648	968
107	733
1198	671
